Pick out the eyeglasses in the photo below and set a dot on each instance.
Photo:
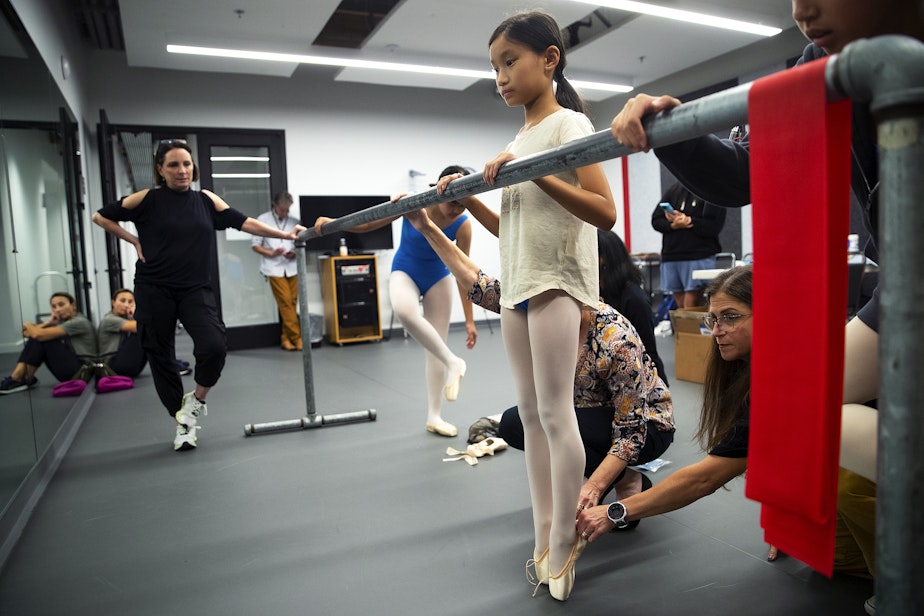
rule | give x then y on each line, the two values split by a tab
172	142
726	322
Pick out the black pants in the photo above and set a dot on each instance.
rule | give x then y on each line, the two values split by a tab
596	426
56	354
158	309
130	359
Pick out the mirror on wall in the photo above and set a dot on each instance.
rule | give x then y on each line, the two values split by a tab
40	238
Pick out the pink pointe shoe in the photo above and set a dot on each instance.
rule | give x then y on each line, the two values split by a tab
443	428
453	386
560	585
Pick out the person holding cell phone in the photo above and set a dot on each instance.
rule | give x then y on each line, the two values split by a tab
690	230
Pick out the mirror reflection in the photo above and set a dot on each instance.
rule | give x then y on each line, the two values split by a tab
37	206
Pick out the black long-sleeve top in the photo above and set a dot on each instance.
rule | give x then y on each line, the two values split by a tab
699	241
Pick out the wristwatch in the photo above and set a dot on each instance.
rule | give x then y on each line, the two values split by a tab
617	513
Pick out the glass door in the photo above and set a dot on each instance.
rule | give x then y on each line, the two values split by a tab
245	170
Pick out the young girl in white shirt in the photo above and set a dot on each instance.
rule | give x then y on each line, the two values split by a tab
548	250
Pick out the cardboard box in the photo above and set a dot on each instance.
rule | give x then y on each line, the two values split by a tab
692	344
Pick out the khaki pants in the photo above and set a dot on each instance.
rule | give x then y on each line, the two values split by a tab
855	536
285	290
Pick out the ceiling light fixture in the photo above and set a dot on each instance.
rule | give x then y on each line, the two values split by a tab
687	16
269	56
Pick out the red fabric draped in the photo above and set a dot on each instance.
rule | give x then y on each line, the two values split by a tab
800	187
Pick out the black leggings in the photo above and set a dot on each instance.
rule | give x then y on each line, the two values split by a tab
55	354
158	309
130	359
596	426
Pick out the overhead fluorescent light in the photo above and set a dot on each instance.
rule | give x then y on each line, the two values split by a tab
240	175
687	16
269	56
225	159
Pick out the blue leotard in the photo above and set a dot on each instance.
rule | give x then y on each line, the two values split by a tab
417	259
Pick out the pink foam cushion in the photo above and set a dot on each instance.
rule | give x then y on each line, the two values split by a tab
69	388
114	383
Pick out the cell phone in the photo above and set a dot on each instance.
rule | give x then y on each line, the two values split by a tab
667	207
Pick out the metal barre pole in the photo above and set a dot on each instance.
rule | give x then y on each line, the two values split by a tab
888	72
311	418
711	113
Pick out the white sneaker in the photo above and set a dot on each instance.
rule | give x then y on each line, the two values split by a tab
185	438
191	410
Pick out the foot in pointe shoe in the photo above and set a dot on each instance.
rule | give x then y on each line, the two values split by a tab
443	428
560	585
454	382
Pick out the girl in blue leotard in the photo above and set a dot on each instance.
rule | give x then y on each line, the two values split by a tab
417	272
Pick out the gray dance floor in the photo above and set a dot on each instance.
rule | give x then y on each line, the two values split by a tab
364	518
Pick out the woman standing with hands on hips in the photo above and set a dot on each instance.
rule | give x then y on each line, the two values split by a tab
548	255
176	248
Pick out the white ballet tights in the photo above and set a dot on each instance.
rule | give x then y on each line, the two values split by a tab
430	330
542	346
860	423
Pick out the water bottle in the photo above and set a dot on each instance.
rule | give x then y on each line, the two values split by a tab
853	243
343	247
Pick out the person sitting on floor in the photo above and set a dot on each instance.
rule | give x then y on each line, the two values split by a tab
119	343
64	342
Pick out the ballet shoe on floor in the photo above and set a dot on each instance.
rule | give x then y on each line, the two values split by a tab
454	385
560	585
540	570
471	454
443	428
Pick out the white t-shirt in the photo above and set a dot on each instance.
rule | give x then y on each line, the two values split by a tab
278	266
542	245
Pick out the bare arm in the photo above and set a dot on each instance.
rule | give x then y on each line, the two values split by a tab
683	487
363	228
602	477
591	201
488	218
44	332
266	252
114	228
255	227
464	243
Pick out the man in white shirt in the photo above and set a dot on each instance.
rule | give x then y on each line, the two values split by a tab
279	266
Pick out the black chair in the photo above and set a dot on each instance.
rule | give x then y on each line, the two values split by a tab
725	260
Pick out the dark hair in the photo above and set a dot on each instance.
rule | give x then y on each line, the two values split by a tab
539	31
119	292
727	387
617	269
70	298
283	195
165	146
455	169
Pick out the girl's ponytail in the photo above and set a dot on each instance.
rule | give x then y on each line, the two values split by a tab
565	93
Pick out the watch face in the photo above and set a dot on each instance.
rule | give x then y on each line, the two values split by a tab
617	514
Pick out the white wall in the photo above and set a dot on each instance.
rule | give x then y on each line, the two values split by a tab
340	139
